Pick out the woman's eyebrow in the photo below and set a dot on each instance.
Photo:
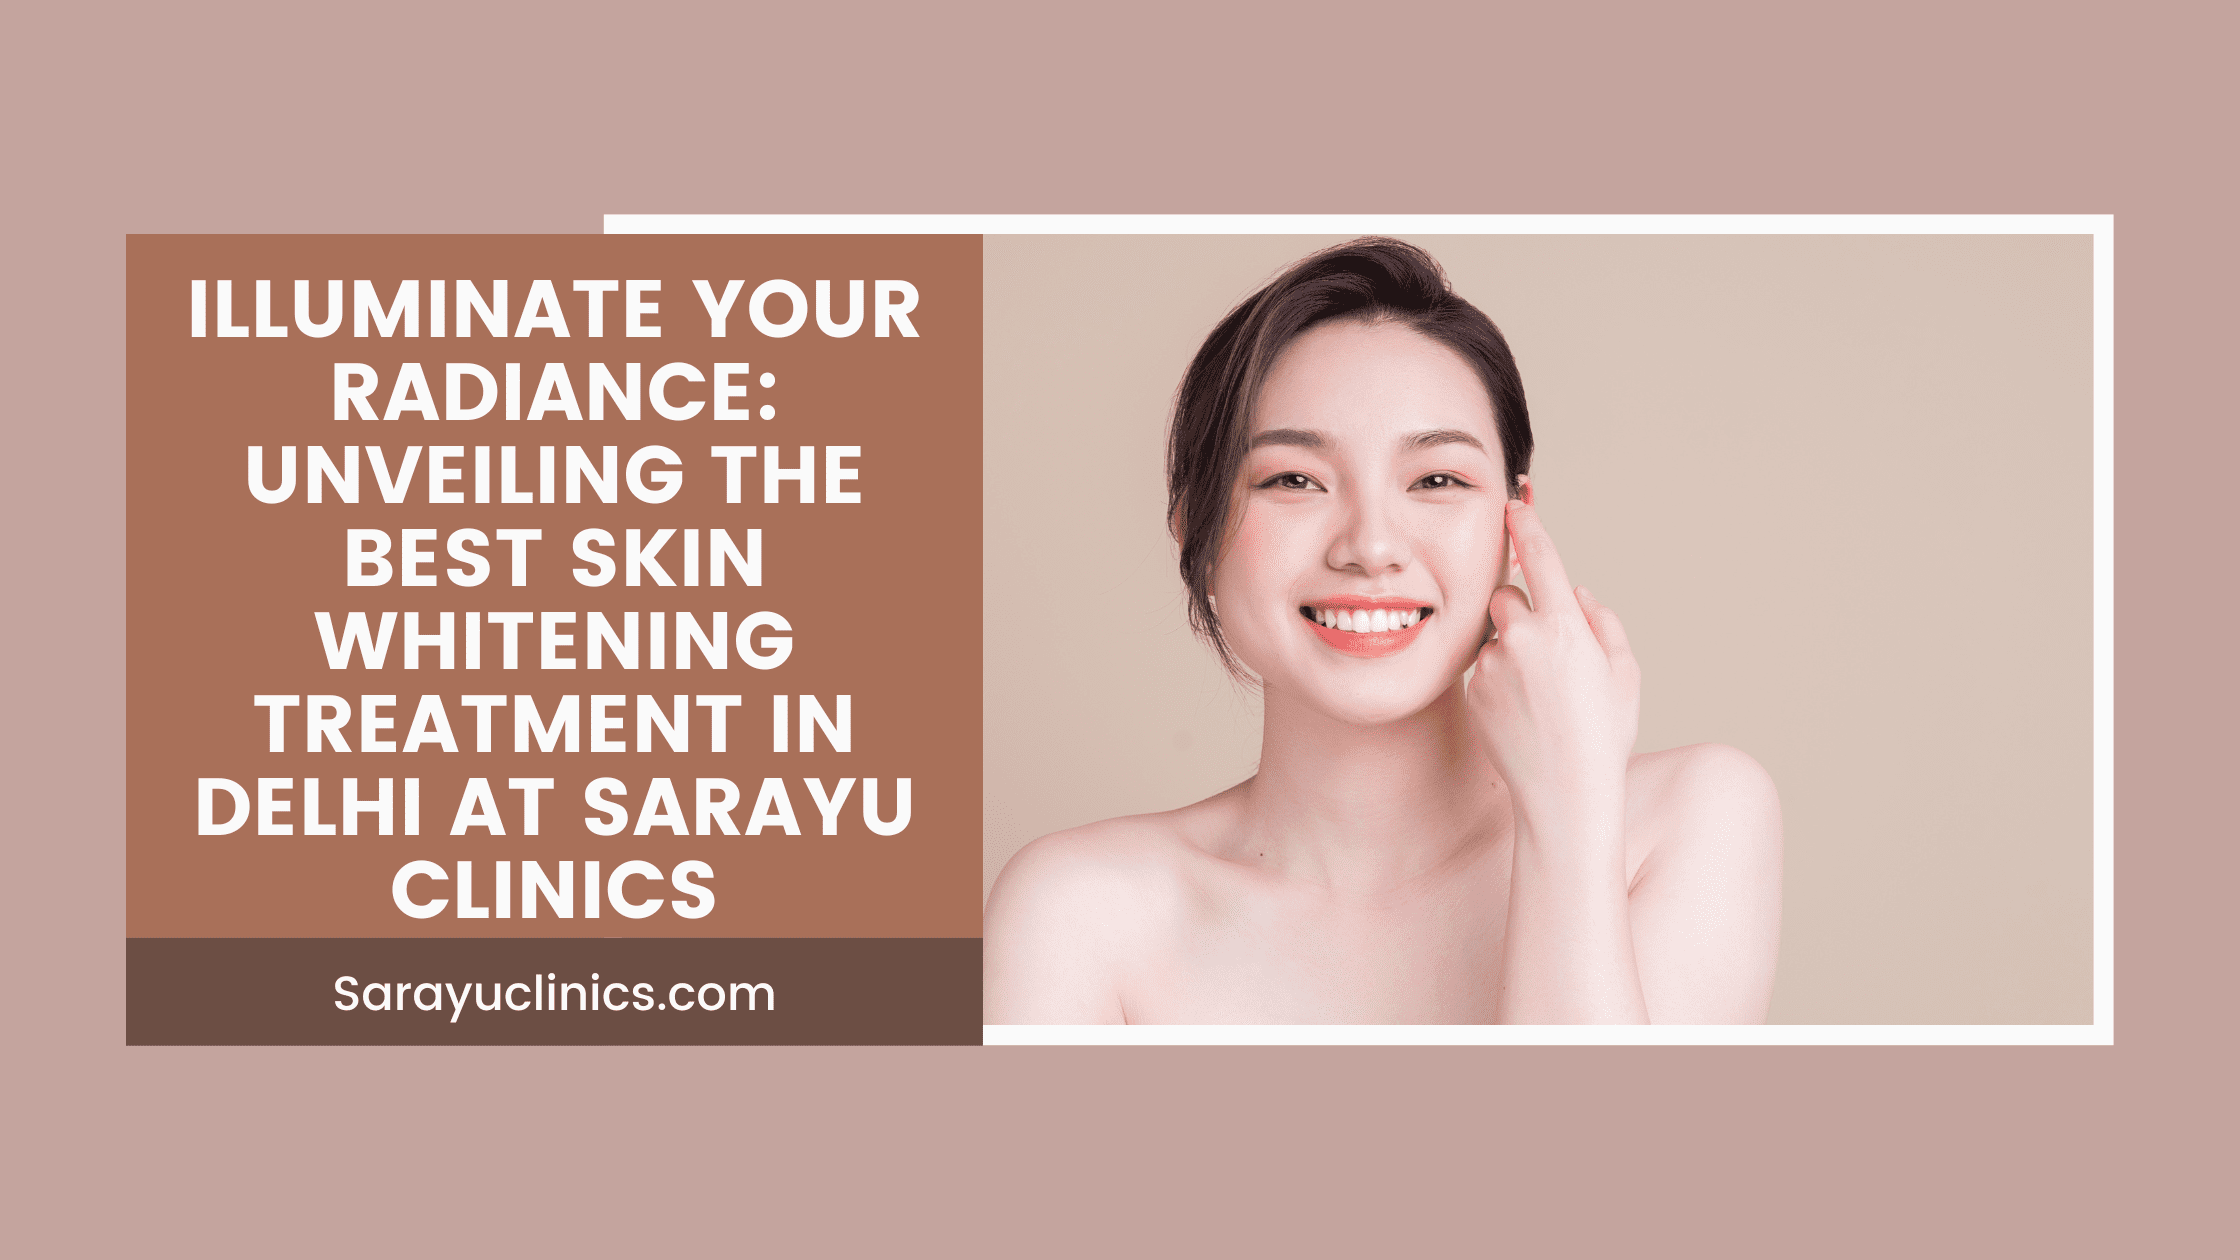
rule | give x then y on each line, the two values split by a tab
1308	438
1438	437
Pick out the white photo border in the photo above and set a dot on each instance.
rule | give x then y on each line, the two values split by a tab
2100	227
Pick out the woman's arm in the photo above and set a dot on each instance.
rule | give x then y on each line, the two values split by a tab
1690	936
1556	702
1569	957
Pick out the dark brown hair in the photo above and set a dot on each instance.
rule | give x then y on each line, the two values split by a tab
1374	278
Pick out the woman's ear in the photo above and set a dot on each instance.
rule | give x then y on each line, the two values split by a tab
1524	488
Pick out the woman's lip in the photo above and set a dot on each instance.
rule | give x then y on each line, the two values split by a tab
1371	602
1373	643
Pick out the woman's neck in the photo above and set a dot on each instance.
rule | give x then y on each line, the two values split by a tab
1371	807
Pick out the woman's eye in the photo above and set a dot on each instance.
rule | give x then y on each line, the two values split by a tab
1290	481
1440	481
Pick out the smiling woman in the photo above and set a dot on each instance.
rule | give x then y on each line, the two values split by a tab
1349	492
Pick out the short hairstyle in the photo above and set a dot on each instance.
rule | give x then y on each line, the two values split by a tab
1371	279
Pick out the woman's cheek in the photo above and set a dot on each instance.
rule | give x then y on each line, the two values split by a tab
1464	558
1260	556
1462	554
1257	573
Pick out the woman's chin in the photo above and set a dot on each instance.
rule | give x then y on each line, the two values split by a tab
1368	701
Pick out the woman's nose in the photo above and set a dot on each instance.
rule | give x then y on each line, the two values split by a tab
1370	541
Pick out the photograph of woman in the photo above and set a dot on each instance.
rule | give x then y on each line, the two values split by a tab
1449	821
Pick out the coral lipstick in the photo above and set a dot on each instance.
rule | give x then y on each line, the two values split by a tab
1366	625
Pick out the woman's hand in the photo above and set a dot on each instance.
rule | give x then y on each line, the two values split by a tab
1556	701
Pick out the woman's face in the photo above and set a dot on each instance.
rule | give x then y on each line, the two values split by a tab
1370	538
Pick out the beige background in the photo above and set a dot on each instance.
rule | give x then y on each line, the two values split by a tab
1838	487
231	117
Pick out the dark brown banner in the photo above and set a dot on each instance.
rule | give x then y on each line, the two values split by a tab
331	991
584	626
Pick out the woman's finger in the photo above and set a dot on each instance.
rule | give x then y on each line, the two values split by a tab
1605	624
1536	555
1507	607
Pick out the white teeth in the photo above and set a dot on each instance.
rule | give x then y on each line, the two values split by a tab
1367	620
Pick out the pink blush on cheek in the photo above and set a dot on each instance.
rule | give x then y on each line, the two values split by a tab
1264	555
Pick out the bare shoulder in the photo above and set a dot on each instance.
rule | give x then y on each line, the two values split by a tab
1072	909
1703	794
1704	840
1707	813
1082	870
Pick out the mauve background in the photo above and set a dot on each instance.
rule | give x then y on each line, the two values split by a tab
275	118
